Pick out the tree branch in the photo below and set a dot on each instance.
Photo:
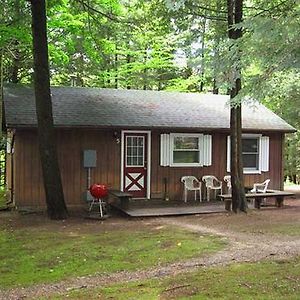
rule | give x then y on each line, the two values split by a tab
215	10
265	10
88	7
214	18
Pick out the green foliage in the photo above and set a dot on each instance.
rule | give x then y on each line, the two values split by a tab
67	253
271	68
2	198
165	45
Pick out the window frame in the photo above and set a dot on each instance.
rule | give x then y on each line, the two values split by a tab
199	136
258	138
126	145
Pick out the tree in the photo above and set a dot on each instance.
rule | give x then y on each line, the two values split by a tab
233	78
235	14
272	67
56	207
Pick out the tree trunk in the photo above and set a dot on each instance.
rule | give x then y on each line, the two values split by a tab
215	88
15	64
235	13
15	51
203	55
56	207
129	73
145	71
116	70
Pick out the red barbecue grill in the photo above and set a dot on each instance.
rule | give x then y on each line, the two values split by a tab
98	191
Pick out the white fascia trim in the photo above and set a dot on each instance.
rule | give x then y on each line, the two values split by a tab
148	158
172	136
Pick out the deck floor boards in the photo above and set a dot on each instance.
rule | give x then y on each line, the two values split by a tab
171	209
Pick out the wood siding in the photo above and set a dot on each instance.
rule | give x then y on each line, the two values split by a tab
218	167
71	143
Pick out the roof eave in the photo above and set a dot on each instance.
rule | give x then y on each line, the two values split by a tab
211	129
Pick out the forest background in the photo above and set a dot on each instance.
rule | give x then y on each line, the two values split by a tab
164	45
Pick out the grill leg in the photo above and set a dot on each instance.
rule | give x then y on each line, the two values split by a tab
91	205
100	208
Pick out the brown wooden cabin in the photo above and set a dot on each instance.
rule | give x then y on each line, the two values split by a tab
142	142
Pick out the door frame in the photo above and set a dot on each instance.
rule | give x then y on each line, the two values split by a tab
148	132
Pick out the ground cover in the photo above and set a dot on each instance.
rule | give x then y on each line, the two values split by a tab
2	199
269	221
265	280
261	258
41	253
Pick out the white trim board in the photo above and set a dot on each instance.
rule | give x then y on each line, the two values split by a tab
148	132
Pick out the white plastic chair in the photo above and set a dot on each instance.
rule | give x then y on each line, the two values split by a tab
260	187
212	183
227	179
191	183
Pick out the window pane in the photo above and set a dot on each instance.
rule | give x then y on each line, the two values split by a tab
250	145
250	161
129	151
141	142
140	151
186	143
140	161
186	157
135	161
129	141
134	151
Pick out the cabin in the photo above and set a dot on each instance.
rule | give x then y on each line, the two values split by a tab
141	142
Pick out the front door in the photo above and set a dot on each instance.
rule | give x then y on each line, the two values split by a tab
135	164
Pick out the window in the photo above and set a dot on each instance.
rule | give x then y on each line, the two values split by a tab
255	153
134	151
250	152
185	150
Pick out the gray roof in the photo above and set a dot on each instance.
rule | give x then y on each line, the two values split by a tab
94	107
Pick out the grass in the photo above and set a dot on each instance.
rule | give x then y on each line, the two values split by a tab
37	255
2	199
267	280
290	184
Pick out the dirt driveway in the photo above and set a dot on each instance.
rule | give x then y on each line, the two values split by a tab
270	233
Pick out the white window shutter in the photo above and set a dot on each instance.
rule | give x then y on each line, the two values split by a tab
228	154
164	150
264	153
8	145
207	150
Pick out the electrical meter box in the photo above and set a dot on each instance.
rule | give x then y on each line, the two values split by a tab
89	158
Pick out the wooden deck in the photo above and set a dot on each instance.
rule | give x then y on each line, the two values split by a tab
259	197
169	208
159	207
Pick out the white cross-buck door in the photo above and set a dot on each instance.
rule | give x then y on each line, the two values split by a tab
135	164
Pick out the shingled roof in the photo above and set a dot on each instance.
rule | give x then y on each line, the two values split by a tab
94	107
